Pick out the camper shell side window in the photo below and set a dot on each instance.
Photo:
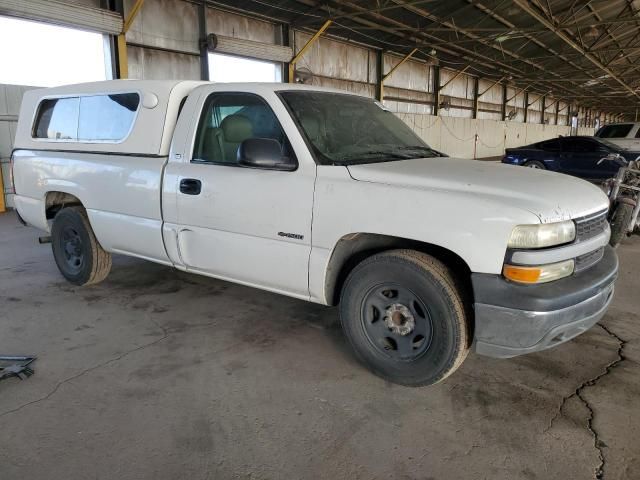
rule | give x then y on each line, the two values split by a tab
102	118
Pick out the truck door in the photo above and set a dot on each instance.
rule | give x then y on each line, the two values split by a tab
248	225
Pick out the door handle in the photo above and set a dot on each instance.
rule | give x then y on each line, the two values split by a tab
190	186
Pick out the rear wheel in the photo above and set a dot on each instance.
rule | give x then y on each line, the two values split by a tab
535	164
620	220
405	317
77	253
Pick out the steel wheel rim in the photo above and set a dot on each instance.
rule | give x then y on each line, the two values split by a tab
396	322
71	247
533	165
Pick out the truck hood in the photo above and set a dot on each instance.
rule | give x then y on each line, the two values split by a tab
548	195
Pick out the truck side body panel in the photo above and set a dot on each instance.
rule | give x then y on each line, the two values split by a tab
121	194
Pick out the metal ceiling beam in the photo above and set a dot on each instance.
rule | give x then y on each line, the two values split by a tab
495	16
423	40
506	67
525	6
454	28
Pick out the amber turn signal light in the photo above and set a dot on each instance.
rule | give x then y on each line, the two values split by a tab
538	274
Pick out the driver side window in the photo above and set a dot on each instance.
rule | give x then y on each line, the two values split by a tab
582	145
227	120
551	145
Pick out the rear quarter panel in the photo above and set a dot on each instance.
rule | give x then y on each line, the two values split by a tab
120	192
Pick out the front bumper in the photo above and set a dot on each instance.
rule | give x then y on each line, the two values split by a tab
513	319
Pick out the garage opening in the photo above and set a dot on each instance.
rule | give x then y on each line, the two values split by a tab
229	68
47	55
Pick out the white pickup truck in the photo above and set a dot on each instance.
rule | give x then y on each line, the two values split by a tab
320	195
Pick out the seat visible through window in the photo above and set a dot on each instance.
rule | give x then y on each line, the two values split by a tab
228	120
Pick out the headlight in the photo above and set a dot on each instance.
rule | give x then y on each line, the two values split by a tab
542	235
539	274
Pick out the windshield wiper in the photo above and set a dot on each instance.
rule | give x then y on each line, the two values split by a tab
381	153
435	153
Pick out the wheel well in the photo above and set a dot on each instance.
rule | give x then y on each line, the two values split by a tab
56	201
354	248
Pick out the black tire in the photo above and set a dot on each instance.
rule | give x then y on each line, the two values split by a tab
619	222
435	311
79	256
534	164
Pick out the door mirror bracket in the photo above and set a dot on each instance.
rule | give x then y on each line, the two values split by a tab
265	153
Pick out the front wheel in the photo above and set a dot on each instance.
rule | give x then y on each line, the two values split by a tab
405	317
78	254
535	164
620	220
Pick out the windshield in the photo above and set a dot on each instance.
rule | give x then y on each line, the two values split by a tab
347	129
615	131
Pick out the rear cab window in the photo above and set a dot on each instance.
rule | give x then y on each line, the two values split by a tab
90	119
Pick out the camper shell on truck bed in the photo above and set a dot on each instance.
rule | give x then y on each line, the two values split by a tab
153	107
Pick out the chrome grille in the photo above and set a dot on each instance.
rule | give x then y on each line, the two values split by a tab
589	227
588	259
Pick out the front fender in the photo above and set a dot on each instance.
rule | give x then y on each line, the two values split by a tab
471	226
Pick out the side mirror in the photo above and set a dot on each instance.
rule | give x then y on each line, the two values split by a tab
264	153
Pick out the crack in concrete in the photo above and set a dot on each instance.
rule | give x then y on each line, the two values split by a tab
165	335
597	443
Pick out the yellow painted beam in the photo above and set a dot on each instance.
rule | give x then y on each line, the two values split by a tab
298	56
3	207
460	72
132	15
123	61
492	85
390	72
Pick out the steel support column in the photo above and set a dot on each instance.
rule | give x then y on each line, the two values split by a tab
476	95
503	106
202	30
379	75
436	89
285	40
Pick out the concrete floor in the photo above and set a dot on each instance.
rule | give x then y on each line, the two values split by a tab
157	374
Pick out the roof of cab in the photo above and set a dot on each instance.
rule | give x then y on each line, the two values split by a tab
111	86
166	86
